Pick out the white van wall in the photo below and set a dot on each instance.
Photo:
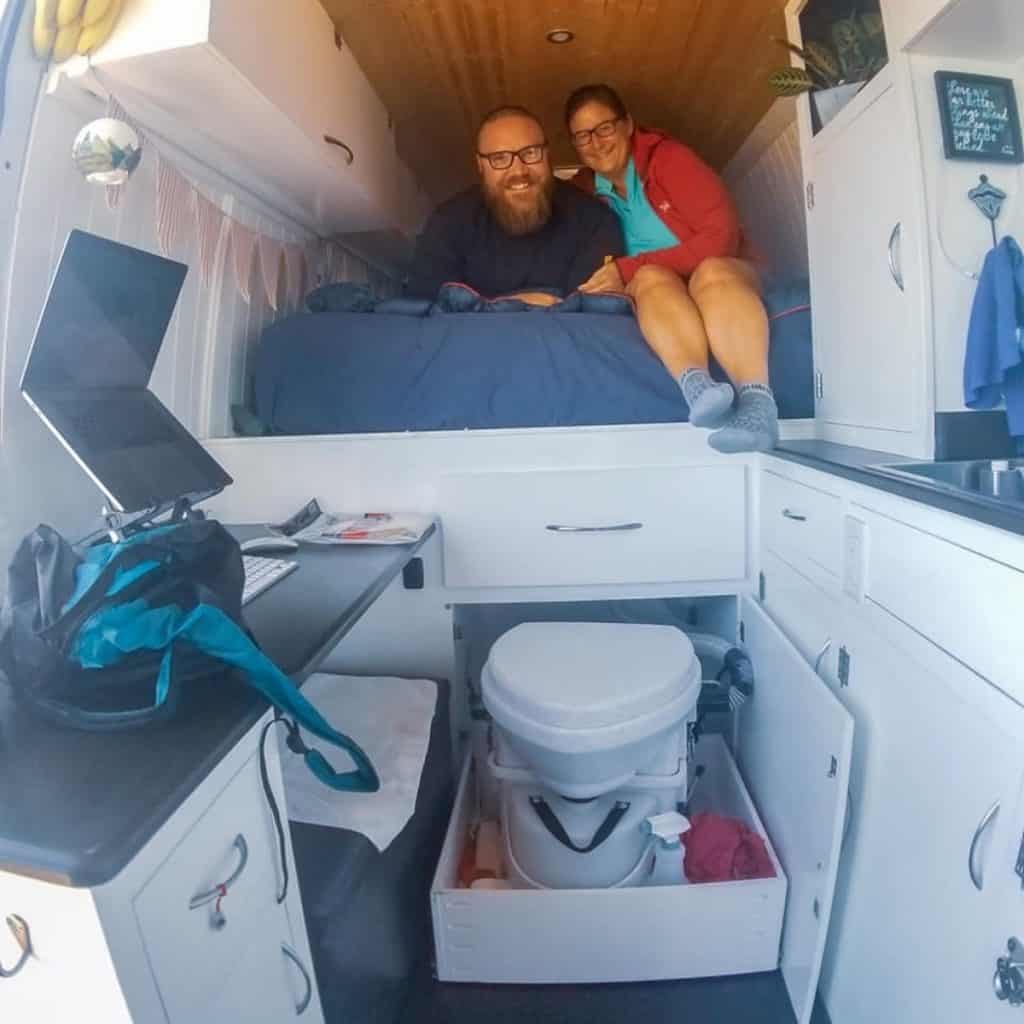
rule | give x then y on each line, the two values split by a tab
202	366
959	234
766	182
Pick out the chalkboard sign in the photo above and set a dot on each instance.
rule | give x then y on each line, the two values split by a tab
979	117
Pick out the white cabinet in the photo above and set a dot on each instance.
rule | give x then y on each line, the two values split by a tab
225	951
688	930
927	895
867	281
284	110
906	19
138	949
926	852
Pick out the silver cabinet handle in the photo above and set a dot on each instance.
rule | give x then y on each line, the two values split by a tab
821	656
19	929
798	517
345	149
894	269
218	892
972	869
303	1003
616	528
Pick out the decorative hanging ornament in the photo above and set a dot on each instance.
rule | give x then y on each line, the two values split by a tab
106	151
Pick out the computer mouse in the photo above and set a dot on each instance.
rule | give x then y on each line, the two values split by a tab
255	544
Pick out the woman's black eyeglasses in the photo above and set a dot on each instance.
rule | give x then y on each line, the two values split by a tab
502	159
602	131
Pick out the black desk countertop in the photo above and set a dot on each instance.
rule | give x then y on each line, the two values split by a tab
75	807
868	467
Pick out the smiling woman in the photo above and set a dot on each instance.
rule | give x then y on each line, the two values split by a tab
694	295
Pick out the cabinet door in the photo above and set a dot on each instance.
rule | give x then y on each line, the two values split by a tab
808	616
914	938
226	949
868	330
904	19
1006	920
794	751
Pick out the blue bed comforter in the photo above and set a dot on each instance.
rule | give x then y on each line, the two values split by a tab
340	373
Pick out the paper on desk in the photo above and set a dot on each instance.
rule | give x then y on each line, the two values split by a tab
311	525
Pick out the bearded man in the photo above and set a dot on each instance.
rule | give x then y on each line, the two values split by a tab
520	230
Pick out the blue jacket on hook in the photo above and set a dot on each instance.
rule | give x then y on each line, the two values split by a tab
994	360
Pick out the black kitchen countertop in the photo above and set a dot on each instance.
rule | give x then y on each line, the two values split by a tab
864	466
75	807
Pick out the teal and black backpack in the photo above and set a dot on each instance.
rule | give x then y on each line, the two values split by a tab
111	638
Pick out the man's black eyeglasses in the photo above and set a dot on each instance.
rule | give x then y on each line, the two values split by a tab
602	131
502	159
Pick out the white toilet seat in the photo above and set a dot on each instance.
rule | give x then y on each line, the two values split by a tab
585	703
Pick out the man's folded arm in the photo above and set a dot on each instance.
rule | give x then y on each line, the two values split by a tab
604	238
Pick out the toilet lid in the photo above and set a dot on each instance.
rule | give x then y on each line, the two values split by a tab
588	675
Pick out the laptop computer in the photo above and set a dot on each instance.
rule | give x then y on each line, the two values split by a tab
88	371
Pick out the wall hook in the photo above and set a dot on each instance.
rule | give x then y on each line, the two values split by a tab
988	198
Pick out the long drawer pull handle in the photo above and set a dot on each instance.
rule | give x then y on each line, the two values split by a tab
347	150
19	929
798	517
616	528
300	1009
972	869
218	891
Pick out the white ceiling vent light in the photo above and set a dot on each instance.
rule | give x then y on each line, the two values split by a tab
559	36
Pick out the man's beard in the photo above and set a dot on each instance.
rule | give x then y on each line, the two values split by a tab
513	214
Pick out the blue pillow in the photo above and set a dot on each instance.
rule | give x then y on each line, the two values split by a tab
341	297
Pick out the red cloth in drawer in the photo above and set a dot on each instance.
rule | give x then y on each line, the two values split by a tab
723	850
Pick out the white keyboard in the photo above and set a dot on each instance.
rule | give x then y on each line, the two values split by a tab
261	573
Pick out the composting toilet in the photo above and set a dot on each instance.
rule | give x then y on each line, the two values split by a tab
590	745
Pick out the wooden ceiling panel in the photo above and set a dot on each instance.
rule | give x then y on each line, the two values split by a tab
695	68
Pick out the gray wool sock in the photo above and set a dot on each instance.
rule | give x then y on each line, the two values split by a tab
709	401
754	426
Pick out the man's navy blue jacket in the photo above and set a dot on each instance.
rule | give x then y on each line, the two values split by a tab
463	242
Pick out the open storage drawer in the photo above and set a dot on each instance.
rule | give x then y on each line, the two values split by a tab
794	753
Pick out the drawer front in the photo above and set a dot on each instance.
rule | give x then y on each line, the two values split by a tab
607	526
965	603
801	523
195	964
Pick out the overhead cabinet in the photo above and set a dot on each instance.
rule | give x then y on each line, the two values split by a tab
267	93
867	243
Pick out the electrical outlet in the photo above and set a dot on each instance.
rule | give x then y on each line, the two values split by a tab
855	557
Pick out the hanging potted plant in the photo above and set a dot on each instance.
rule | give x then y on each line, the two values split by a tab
831	80
821	76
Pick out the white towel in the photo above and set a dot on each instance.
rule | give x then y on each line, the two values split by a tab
390	719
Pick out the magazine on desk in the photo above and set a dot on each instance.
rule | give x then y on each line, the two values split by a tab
312	525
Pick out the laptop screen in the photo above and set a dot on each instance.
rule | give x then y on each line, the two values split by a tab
87	373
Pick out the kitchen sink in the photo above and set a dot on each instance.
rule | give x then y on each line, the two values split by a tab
991	478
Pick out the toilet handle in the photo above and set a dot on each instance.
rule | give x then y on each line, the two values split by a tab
550	821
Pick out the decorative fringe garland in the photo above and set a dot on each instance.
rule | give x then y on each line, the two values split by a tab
181	207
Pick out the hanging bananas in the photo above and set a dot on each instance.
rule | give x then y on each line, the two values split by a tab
97	30
62	28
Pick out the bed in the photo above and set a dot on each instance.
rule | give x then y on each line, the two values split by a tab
469	364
